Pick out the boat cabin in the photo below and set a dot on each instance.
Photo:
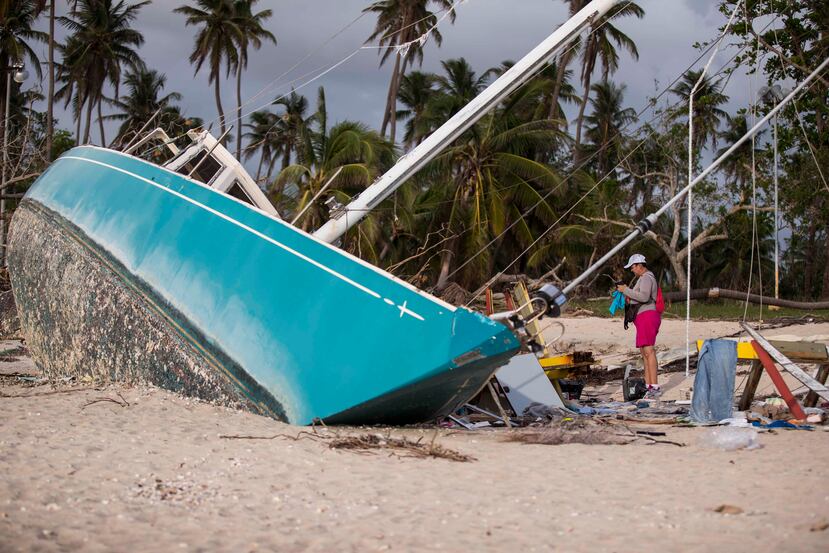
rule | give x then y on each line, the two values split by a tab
209	162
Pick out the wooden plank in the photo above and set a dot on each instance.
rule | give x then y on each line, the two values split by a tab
811	397
786	364
805	352
765	358
751	385
802	352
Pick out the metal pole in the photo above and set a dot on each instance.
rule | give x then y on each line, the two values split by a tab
648	222
776	222
447	133
317	195
5	166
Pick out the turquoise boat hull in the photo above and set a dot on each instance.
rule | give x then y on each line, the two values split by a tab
123	270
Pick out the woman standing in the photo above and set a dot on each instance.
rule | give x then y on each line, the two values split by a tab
647	321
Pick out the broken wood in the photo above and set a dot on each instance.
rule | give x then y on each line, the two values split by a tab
786	364
811	397
751	385
779	383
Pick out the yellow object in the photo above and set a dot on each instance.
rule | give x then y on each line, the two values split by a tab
744	350
556	361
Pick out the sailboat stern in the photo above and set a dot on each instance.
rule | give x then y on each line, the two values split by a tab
446	388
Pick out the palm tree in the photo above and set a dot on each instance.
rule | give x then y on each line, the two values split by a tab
293	125
100	44
606	123
400	22
456	88
707	112
145	95
16	20
485	180
570	51
263	138
599	48
359	154
216	41
738	166
416	89
251	34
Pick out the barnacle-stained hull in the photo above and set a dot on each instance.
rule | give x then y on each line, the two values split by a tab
126	271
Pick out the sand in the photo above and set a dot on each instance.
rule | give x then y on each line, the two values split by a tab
145	470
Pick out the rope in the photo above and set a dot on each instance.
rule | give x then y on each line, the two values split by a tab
784	61
316	76
809	143
753	192
690	226
650	104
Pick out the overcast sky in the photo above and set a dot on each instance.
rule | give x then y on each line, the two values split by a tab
486	32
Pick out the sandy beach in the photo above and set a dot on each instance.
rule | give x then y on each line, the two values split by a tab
140	469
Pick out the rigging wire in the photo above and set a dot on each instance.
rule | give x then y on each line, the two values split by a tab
651	103
690	226
811	148
349	56
784	61
325	69
279	77
753	111
573	45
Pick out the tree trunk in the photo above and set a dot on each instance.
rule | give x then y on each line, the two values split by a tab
259	168
286	156
393	131
78	123
217	91
445	265
50	105
563	62
239	113
584	98
825	288
809	268
88	123
390	97
101	125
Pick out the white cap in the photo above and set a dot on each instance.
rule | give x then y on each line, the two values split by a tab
635	258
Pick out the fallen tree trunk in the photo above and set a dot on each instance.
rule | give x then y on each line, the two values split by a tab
711	293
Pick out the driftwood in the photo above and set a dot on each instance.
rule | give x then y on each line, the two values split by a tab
371	443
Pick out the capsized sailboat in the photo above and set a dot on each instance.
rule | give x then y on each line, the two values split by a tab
183	275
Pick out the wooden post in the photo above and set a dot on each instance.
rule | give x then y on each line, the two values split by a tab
768	363
751	385
497	401
811	397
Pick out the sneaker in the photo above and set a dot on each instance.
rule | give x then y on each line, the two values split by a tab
653	393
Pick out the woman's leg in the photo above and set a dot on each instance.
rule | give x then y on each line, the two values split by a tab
649	358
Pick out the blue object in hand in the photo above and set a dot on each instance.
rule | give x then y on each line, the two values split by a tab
618	302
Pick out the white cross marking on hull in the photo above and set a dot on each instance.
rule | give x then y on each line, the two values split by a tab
406	311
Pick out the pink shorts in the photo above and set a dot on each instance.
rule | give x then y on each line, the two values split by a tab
647	327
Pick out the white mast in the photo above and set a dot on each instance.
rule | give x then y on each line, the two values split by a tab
412	162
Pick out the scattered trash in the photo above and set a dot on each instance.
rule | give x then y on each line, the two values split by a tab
730	438
782	424
728	509
585	430
371	442
738	422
